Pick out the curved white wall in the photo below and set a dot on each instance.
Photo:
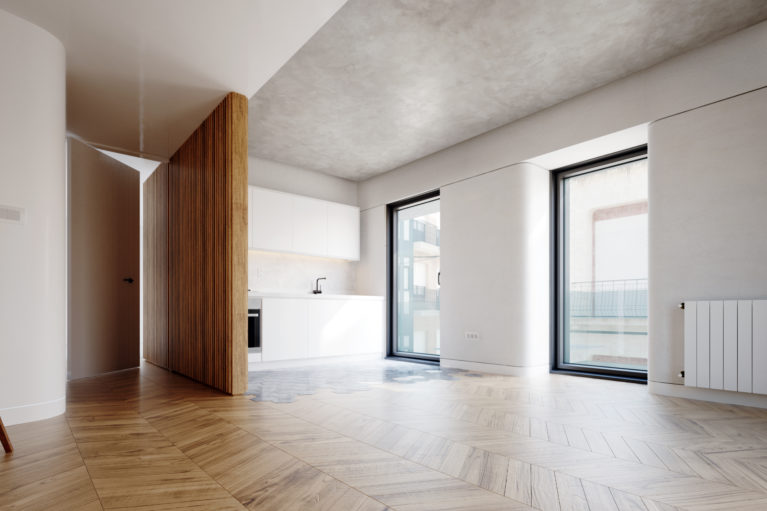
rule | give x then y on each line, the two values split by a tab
32	254
495	271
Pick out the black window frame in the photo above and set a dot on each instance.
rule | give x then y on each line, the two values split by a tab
557	323
391	278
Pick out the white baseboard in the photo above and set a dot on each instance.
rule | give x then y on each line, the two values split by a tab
278	364
716	396
33	412
483	367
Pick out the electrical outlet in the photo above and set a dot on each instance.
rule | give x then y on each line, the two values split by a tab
471	336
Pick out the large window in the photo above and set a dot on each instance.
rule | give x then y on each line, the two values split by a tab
602	267
414	271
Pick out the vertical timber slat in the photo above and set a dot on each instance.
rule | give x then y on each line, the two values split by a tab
156	267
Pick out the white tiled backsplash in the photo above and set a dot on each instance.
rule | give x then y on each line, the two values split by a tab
273	272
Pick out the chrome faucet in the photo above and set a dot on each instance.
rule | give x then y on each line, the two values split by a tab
317	289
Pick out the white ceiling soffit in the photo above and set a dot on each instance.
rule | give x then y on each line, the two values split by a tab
144	166
386	82
143	74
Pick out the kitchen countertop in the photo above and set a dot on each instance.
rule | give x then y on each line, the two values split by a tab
322	296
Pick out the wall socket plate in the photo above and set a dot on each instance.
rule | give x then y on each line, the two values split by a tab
11	214
471	336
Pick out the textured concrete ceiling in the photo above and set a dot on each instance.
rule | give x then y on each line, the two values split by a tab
386	82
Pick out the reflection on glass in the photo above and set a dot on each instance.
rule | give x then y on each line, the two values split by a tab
605	267
417	278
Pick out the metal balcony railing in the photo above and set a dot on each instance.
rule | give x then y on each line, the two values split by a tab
421	231
425	295
608	298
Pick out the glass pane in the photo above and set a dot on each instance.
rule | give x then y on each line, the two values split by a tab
605	268
416	278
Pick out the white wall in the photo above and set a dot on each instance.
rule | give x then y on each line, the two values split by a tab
495	269
720	70
286	178
270	272
708	206
32	255
371	269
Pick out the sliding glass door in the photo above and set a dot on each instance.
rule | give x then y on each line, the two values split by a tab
415	279
602	267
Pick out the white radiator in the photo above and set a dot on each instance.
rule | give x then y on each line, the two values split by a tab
725	345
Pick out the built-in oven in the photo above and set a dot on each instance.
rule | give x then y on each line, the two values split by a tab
254	328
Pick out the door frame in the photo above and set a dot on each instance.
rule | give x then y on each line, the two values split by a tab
391	276
558	270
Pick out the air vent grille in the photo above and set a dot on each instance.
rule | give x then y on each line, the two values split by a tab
11	214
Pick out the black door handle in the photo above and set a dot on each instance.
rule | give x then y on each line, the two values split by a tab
439	275
128	280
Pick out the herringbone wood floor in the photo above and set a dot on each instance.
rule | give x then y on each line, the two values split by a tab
152	440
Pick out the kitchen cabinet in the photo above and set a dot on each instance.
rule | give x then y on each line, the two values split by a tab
284	222
343	231
272	223
310	226
286	329
360	323
250	216
330	333
327	326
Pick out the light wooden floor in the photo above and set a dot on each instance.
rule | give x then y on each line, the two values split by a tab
152	440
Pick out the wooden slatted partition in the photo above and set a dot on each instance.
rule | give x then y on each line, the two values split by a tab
156	267
207	216
205	193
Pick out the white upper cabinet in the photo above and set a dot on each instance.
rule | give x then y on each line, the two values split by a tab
271	227
310	225
250	216
283	222
343	231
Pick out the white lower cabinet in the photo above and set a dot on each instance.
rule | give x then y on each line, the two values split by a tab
367	326
327	327
329	331
286	329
